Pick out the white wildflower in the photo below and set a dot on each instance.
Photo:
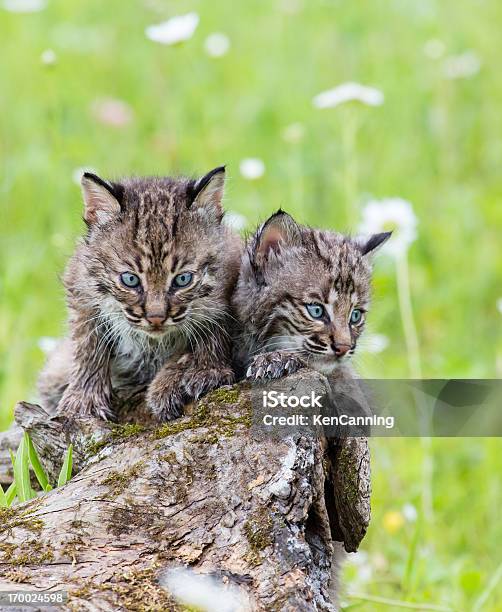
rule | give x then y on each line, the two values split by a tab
434	48
461	66
252	168
24	6
47	344
217	44
48	57
293	133
201	591
410	512
235	220
391	214
174	30
375	343
499	305
78	173
348	92
111	111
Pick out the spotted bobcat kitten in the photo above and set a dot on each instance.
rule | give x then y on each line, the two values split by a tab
148	291
301	297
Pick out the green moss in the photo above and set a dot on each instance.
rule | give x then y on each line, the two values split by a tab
224	396
137	591
17	516
118	433
32	552
258	532
208	414
118	481
126	430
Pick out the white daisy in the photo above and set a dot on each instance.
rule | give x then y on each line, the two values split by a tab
391	214
461	66
201	591
235	220
217	44
410	512
48	57
252	168
24	6
348	92
174	30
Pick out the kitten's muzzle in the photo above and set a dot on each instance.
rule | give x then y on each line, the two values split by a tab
340	349
156	319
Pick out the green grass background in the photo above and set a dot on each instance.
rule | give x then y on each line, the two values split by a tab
435	142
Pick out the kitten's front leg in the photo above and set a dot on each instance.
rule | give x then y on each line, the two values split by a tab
273	365
183	381
89	389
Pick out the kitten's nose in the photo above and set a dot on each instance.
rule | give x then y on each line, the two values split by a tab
156	318
340	349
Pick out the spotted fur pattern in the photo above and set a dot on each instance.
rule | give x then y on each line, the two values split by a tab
285	268
174	340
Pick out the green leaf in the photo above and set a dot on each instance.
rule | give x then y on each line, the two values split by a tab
22	471
65	473
3	498
36	465
10	494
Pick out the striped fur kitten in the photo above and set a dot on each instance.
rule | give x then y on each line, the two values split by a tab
301	297
148	292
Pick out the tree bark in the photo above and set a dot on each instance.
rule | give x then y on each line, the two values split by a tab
259	515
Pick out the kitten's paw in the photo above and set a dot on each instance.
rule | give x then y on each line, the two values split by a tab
200	382
170	391
77	404
166	401
273	365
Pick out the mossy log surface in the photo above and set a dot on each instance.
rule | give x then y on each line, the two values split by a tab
205	491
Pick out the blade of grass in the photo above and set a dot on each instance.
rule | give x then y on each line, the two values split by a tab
22	472
65	473
10	494
36	465
3	498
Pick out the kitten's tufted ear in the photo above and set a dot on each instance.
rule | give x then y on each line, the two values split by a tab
279	229
374	242
207	194
101	199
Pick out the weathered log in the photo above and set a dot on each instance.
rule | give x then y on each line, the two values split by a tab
260	515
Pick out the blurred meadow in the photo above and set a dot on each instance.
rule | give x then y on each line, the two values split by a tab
83	86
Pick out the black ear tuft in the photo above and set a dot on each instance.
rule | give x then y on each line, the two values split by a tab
116	190
278	229
205	180
205	195
102	200
374	242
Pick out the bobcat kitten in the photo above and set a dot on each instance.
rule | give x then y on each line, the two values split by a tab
301	297
148	294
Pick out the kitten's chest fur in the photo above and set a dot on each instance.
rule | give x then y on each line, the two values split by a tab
137	360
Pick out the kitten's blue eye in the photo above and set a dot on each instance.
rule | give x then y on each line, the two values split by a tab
183	279
356	316
316	311
130	280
